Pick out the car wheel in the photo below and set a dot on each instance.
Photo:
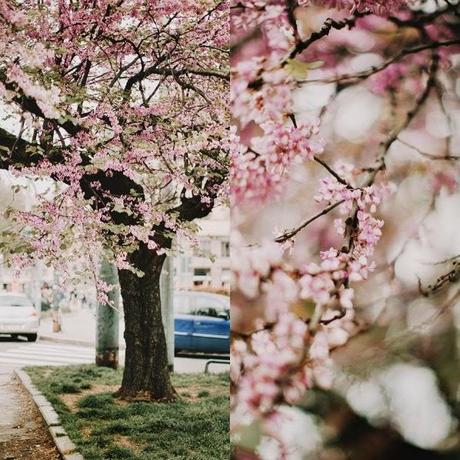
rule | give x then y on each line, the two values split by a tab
31	337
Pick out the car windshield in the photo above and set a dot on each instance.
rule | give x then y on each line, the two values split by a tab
204	305
14	301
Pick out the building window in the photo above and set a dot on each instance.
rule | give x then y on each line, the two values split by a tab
201	271
225	245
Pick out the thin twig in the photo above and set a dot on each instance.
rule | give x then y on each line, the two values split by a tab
331	171
408	119
375	69
429	155
289	234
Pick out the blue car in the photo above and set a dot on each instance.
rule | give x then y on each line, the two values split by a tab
201	322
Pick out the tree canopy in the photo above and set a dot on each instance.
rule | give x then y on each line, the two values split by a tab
122	103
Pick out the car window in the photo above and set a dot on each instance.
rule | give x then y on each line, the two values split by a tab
14	301
202	305
206	311
210	306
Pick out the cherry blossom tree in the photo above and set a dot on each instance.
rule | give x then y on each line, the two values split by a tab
123	105
303	288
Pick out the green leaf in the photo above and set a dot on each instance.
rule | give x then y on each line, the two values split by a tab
304	309
299	69
249	436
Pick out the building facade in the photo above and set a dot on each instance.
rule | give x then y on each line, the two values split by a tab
206	265
27	281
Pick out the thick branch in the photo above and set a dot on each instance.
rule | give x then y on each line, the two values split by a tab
328	25
166	71
15	151
30	105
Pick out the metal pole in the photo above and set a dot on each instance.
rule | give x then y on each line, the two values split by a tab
167	310
55	306
107	320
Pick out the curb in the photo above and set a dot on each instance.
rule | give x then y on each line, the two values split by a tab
63	443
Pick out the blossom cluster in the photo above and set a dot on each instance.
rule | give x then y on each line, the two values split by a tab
259	170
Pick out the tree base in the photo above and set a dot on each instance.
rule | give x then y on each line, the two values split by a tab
107	358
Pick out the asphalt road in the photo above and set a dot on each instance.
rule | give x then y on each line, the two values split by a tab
18	353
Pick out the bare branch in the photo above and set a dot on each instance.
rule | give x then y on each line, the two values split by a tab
329	24
429	155
350	78
331	171
408	119
288	235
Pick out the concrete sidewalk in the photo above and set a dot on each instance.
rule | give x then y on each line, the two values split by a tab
78	328
23	434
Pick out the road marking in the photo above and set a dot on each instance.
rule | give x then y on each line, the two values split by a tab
36	362
48	355
45	356
46	349
57	346
55	351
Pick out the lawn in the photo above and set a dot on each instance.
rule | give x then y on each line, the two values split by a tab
195	427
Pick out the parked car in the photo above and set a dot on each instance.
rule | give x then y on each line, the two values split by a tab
201	322
18	316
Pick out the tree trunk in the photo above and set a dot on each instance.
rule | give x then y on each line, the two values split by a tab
146	373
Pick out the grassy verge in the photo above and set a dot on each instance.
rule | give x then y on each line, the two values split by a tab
195	427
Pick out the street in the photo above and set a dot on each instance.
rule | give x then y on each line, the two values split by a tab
19	353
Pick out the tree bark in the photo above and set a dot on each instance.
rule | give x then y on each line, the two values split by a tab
146	373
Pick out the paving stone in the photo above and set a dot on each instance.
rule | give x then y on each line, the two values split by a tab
73	457
50	416
64	444
40	400
57	431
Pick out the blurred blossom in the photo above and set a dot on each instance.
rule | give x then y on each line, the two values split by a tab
438	240
312	97
407	397
416	405
420	316
437	124
367	399
297	430
358	110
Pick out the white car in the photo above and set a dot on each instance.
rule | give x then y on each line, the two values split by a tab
18	316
